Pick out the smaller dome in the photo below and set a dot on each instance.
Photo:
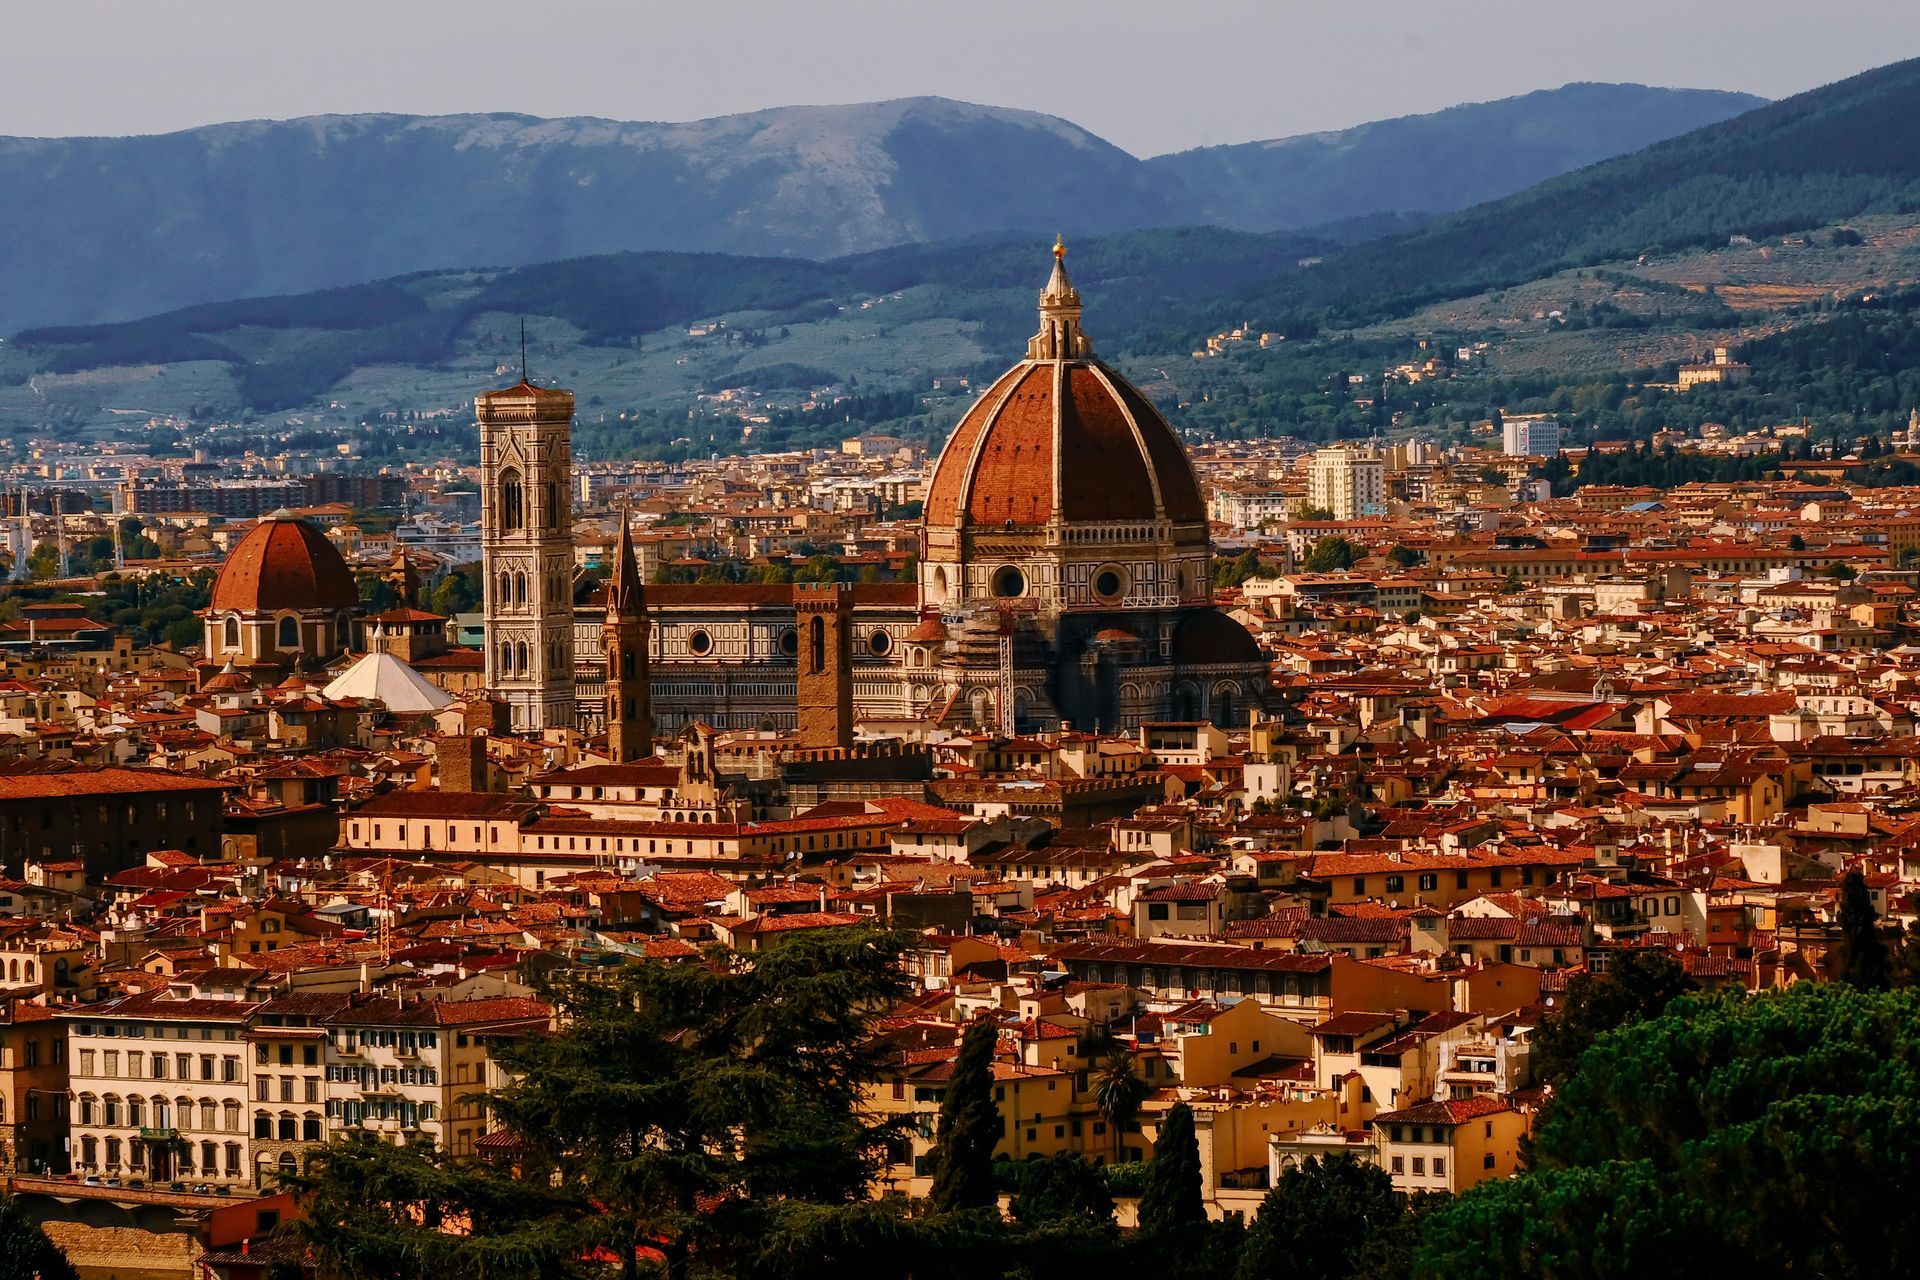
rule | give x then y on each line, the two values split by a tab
283	563
930	631
1208	637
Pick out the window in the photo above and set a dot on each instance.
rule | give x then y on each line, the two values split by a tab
1486	1161
1397	884
1399	1164
1419	1166
1439	1166
512	502
1430	881
289	637
230	633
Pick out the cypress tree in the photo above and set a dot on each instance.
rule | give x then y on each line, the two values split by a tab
1860	958
969	1127
1171	1202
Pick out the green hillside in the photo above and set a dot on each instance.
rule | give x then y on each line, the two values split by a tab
1569	297
1821	157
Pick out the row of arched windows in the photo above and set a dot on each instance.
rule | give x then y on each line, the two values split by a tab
159	1112
286	633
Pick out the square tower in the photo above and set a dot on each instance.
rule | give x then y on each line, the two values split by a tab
823	686
526	544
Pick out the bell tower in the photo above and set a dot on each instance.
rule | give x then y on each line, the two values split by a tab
823	685
526	545
623	638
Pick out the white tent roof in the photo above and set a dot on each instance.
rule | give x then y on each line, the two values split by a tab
385	678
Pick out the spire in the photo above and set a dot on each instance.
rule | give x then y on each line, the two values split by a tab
1059	337
626	591
624	638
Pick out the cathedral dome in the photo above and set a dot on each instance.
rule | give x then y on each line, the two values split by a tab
283	563
1061	437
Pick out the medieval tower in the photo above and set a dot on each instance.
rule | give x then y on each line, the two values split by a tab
526	542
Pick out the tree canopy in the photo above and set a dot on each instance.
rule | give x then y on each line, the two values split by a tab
1773	1129
696	1112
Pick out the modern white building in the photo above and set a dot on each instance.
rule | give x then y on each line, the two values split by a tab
1348	482
1530	436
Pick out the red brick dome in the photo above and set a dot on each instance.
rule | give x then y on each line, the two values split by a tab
1061	436
283	563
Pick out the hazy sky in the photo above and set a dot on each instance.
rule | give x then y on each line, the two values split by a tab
1149	77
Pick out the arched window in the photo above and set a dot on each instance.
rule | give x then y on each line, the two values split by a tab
521	662
289	633
553	505
503	595
230	633
519	588
136	1112
506	658
512	506
817	645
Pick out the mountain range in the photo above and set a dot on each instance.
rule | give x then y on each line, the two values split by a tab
114	228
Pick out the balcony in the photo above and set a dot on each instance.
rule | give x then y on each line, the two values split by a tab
148	1134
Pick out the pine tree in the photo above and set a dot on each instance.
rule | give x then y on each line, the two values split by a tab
969	1126
669	1087
1172	1202
1860	958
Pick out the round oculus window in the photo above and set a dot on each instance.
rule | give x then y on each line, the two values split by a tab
700	642
1110	583
1009	582
789	642
880	644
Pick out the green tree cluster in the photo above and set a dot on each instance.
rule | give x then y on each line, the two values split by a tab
1777	1130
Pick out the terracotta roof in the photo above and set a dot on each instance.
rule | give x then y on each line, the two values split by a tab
1074	431
1454	1111
283	563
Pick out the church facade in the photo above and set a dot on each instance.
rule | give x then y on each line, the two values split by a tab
1065	577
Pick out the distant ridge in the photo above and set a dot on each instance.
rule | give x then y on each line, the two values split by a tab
115	228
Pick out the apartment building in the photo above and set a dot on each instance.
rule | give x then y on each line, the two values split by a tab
1348	482
160	1081
404	1066
288	1064
33	1089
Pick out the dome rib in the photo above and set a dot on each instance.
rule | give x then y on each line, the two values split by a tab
283	563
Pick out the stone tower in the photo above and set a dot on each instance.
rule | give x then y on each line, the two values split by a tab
823	687
623	638
526	542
